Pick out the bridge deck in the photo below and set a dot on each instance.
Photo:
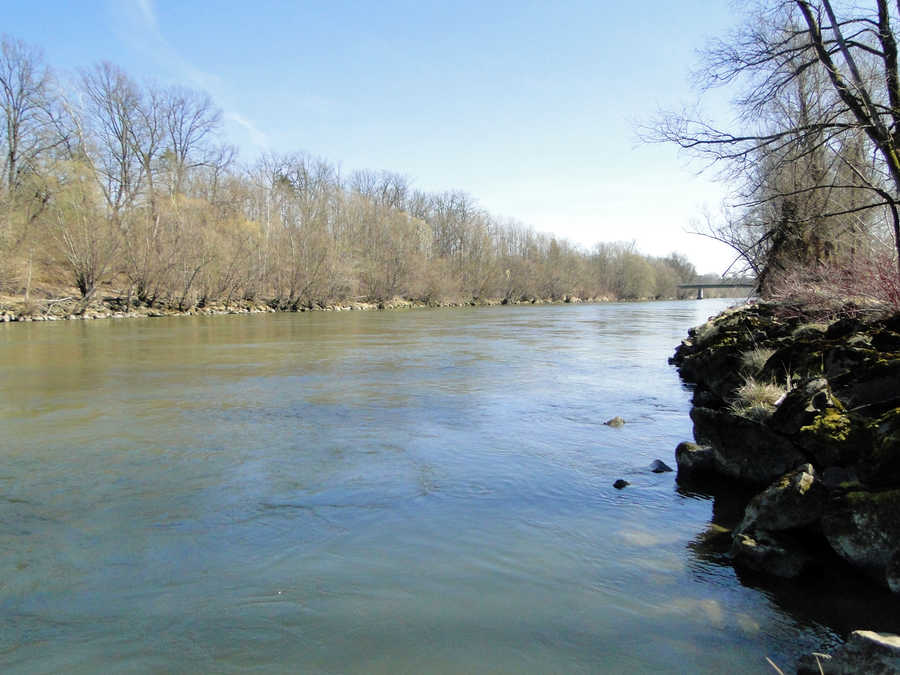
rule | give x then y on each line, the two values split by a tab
720	284
737	284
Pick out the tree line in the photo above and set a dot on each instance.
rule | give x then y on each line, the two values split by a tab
113	186
814	153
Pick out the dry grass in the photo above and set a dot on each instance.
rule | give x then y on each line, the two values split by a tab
754	360
757	400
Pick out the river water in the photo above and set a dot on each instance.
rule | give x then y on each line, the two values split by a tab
368	492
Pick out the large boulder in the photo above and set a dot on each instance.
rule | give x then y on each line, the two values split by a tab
871	384
863	528
692	458
745	449
770	553
879	464
794	501
802	405
865	652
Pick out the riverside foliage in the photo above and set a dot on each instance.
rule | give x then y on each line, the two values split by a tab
126	188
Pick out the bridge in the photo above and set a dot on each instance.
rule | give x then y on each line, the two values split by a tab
737	283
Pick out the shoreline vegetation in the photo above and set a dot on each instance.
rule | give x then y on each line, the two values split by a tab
69	308
15	310
111	186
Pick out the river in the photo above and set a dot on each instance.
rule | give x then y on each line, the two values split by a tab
367	492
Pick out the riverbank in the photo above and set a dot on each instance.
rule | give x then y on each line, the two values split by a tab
14	309
805	414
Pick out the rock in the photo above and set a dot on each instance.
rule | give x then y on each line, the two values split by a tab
835	477
886	341
863	528
745	449
704	398
842	359
879	464
827	453
769	553
659	466
832	438
800	357
865	652
843	327
619	484
794	501
693	458
892	573
615	422
802	405
870	383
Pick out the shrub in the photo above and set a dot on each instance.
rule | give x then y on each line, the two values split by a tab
865	284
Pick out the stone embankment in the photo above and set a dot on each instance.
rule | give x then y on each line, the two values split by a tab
807	415
118	308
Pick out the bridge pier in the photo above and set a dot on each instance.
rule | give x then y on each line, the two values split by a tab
700	293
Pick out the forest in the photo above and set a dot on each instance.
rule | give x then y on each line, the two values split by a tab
116	188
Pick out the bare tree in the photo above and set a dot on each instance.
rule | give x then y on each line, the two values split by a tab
109	121
191	122
821	99
26	107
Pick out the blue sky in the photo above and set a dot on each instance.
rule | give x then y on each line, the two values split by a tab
528	106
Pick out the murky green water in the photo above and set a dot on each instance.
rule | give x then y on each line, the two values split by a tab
398	492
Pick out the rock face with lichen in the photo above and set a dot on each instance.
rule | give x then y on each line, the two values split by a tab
808	413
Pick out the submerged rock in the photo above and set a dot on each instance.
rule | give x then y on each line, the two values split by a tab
621	483
615	422
659	466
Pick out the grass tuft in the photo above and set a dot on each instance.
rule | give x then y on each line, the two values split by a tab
754	360
757	400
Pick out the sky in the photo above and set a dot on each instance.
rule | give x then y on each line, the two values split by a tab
530	107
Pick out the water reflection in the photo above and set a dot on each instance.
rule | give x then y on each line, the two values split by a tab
817	611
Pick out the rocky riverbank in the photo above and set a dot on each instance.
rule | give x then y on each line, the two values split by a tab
806	414
114	307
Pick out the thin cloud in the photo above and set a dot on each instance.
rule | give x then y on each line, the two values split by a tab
138	25
257	137
149	14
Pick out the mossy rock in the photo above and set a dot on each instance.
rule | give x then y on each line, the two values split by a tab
809	331
880	465
802	358
886	341
872	383
744	449
841	359
863	528
834	438
841	328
